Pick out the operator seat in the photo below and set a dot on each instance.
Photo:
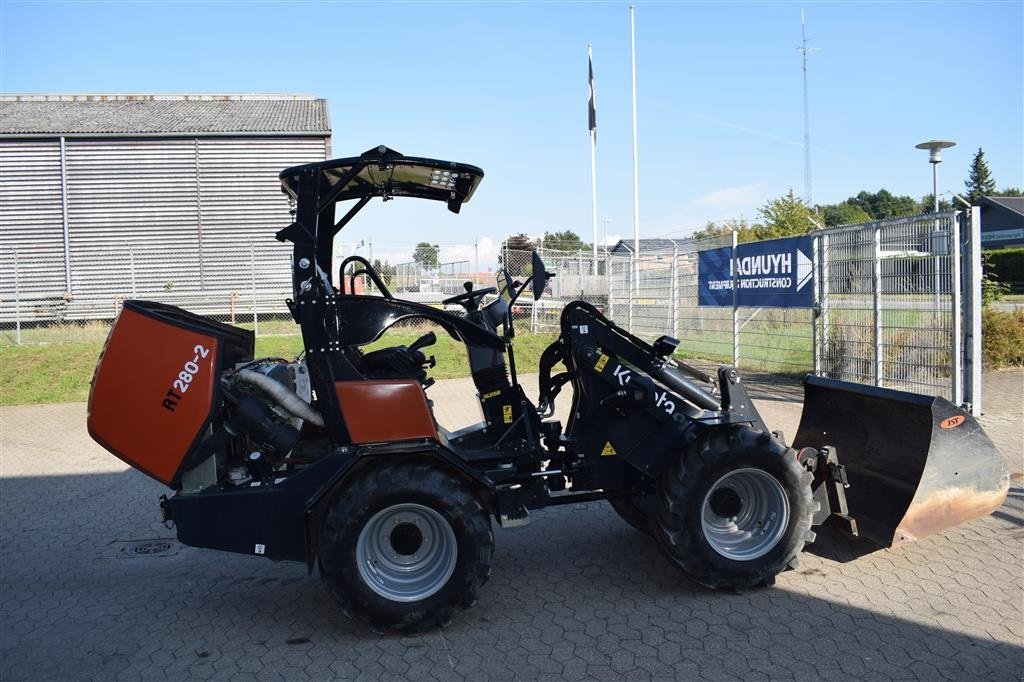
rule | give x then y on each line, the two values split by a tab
395	362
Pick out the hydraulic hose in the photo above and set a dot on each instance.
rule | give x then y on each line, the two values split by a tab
285	398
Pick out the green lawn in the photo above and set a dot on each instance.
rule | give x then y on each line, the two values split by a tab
62	373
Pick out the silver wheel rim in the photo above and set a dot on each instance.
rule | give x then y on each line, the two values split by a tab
406	552
745	514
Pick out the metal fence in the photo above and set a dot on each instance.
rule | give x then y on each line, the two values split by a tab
899	304
896	305
895	301
248	288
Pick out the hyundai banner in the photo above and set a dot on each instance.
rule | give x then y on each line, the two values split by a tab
777	274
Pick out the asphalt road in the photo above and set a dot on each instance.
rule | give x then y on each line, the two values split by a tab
577	594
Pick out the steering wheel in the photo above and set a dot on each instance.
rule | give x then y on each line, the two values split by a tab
471	299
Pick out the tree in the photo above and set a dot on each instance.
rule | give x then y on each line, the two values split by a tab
785	216
979	181
386	271
1009	192
514	253
566	240
425	254
744	232
518	242
928	203
883	204
845	213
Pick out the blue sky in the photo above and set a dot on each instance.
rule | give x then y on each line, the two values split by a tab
503	86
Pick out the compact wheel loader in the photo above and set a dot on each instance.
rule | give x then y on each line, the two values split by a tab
335	458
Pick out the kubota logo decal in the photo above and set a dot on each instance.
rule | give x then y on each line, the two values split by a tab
952	422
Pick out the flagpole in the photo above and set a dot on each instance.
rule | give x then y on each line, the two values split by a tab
593	160
636	178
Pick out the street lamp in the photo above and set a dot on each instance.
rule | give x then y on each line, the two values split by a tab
935	148
606	221
939	246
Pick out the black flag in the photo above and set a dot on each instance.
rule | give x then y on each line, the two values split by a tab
592	105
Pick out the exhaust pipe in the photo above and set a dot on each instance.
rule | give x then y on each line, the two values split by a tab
285	398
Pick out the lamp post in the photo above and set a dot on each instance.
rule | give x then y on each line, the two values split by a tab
935	148
605	238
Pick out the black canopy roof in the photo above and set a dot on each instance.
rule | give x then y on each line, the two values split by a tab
386	173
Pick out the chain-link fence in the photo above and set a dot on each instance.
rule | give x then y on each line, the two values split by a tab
243	285
246	284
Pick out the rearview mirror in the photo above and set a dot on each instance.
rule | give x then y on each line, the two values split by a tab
540	277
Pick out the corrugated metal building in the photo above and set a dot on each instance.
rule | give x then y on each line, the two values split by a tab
168	197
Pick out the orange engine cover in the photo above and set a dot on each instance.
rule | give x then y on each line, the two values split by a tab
385	410
153	391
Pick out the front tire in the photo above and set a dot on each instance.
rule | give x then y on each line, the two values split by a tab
736	510
404	546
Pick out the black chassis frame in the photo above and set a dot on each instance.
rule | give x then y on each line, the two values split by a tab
633	409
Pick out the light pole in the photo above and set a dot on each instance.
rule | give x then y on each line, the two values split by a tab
935	148
606	221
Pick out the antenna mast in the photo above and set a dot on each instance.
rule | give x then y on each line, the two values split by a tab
804	50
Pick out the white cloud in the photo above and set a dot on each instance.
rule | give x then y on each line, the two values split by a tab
730	198
486	249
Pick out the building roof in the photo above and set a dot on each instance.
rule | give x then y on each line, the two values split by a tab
1015	204
162	115
652	244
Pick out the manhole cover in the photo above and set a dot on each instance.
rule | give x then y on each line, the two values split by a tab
151	548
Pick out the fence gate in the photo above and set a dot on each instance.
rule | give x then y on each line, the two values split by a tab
899	305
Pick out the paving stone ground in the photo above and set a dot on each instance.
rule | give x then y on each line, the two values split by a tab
577	594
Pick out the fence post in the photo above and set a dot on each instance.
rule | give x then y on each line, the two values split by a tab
954	289
972	312
816	310
17	302
675	291
735	301
826	303
610	312
131	267
255	317
876	285
634	264
579	269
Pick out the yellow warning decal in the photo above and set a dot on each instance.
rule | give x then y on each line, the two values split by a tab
506	414
492	394
608	450
601	362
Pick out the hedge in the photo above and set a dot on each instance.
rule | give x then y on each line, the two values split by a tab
1007	266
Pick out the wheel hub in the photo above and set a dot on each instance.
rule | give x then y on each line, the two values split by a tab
406	539
726	503
745	514
406	552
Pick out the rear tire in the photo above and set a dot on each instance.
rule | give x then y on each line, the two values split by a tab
638	510
404	546
736	510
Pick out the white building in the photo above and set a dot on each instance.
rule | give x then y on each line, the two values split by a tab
166	197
